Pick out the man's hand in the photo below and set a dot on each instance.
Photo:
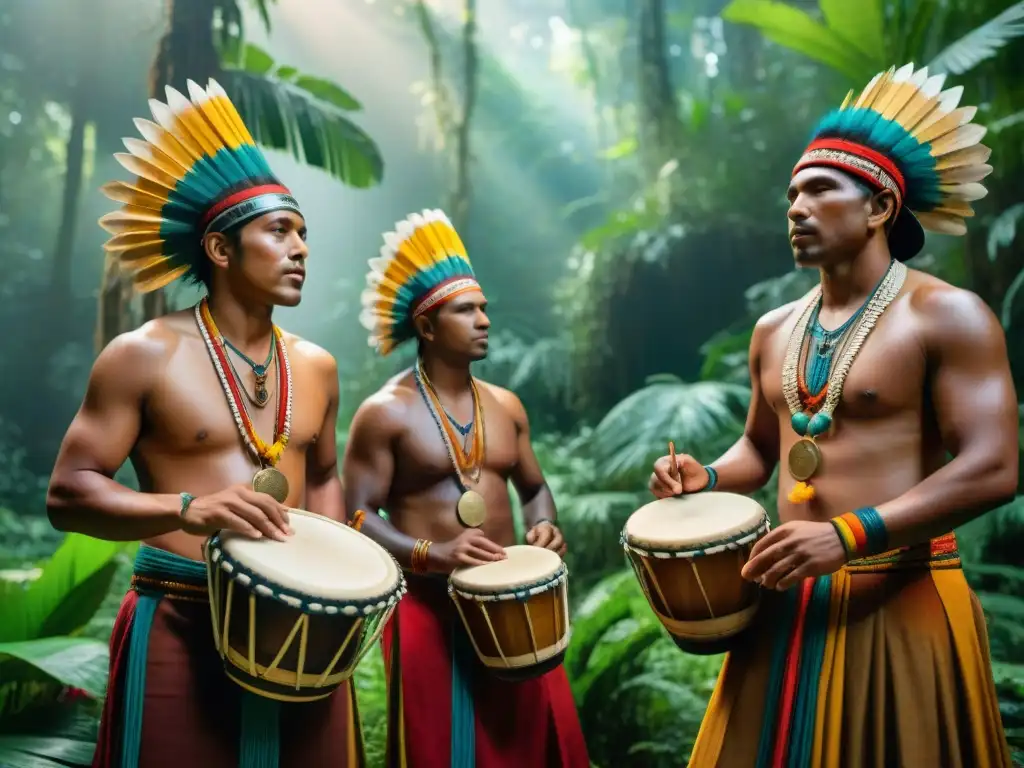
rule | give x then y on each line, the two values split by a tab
471	547
238	508
687	476
546	535
795	551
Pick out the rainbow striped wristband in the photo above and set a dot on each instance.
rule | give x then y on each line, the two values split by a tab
862	532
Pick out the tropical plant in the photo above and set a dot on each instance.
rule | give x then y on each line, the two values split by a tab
52	676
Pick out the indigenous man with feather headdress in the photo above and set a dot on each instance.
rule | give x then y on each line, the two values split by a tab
870	650
186	397
435	449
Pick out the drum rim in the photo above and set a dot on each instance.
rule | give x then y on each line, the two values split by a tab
735	541
304	602
521	592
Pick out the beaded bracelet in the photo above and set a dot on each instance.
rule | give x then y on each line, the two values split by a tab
186	502
419	555
862	532
712	479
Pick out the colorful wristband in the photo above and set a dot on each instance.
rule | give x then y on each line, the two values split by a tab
712	479
862	532
186	502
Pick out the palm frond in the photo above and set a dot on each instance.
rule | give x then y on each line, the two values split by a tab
794	29
302	115
696	416
981	43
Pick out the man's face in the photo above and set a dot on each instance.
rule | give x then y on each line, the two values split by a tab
269	264
461	325
830	217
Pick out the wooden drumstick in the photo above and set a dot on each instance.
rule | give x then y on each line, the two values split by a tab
672	456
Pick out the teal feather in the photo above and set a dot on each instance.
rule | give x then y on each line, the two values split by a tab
913	159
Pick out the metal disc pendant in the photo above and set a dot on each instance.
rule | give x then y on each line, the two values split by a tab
472	509
272	482
804	459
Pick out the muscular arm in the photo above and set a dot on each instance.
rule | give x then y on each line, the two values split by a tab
83	496
749	463
977	413
368	469
527	477
323	486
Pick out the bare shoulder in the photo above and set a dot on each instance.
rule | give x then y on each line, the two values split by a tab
305	352
770	322
137	357
506	398
387	410
950	316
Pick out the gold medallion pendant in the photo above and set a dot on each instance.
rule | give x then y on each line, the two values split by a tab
804	459
472	509
272	482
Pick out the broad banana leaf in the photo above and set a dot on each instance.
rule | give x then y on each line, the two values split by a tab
301	114
75	662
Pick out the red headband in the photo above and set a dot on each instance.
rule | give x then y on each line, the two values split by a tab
857	159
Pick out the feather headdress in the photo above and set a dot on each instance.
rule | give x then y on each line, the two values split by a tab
422	264
904	133
198	171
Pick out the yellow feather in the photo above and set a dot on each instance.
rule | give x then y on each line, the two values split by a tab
220	98
967	192
922	104
965	174
943	224
959	138
146	170
166	143
157	276
215	119
131	219
847	100
975	155
152	155
871	90
126	241
129	195
142	255
190	121
167	120
954	208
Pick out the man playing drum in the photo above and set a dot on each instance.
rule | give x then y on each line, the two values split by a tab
185	397
417	450
872	650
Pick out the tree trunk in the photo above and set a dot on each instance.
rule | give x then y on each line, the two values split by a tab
660	129
463	156
60	278
186	51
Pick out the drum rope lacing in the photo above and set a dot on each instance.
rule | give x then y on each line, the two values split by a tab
710	548
518	593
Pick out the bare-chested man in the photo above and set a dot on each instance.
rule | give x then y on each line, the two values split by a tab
873	651
177	396
416	450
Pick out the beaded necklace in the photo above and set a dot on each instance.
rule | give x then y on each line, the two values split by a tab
471	508
812	413
264	453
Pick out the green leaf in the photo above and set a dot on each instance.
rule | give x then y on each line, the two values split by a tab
1003	230
286	73
860	23
1005	605
78	662
256	61
1006	316
327	91
282	116
981	43
63	599
794	29
57	734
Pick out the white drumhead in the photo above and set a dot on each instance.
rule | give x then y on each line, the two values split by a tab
525	565
691	521
324	559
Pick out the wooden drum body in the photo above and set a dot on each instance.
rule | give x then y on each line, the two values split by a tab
516	611
292	619
687	554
